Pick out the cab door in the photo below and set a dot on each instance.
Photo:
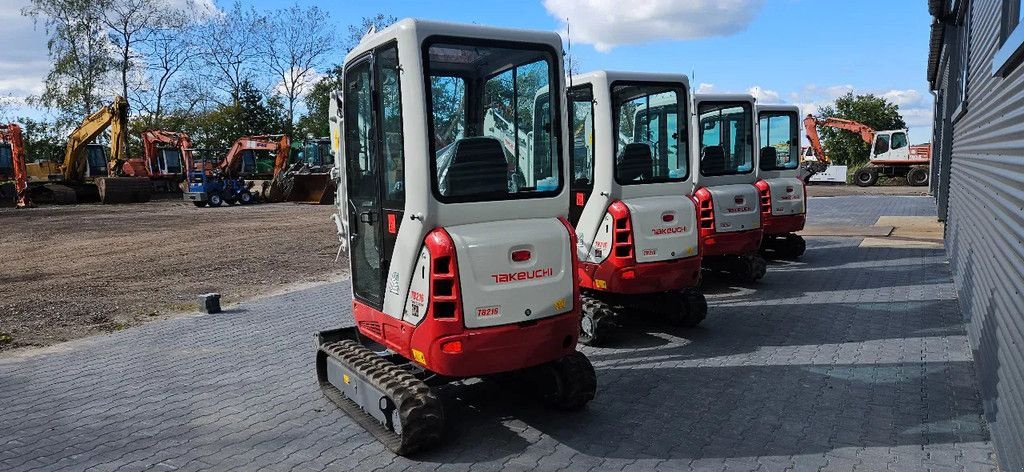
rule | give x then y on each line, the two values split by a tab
581	127
374	169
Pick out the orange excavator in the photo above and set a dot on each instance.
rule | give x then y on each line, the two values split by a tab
166	155
12	165
241	159
891	153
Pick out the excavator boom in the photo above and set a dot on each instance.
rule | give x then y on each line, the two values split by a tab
11	134
113	116
811	124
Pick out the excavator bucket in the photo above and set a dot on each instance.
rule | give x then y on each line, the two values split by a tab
312	188
124	189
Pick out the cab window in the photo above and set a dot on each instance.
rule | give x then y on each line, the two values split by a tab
726	138
899	140
581	128
650	139
496	128
779	135
882	144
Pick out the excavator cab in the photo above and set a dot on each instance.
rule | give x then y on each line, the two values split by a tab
462	266
729	203
779	166
636	226
96	161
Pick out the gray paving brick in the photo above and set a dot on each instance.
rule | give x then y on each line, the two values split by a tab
850	359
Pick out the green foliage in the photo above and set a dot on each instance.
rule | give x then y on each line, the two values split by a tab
314	122
847	148
80	53
43	141
254	114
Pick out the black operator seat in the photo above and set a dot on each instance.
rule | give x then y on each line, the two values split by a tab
769	158
712	160
478	167
636	162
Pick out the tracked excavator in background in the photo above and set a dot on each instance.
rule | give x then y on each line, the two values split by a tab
165	157
459	268
12	163
729	204
88	173
307	178
241	161
631	181
891	153
779	172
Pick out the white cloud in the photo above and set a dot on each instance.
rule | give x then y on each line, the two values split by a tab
24	60
609	23
706	88
764	95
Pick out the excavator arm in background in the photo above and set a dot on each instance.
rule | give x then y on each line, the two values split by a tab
11	134
811	124
113	116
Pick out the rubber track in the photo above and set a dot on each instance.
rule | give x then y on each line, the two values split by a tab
603	317
420	410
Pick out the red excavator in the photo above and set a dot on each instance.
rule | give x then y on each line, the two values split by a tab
890	152
166	155
12	166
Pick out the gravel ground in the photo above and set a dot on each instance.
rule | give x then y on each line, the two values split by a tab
72	271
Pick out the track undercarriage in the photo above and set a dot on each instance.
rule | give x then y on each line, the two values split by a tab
602	311
746	268
396	400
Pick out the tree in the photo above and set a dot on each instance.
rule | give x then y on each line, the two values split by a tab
293	49
846	148
167	50
42	140
314	122
129	23
228	48
356	32
81	54
253	114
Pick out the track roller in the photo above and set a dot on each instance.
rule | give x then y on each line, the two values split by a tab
390	402
596	321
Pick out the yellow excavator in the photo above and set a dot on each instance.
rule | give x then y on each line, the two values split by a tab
87	173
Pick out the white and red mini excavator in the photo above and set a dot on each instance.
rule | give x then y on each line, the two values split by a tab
631	180
463	261
779	169
729	204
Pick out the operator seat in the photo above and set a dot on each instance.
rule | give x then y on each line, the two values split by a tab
479	167
636	162
712	160
769	158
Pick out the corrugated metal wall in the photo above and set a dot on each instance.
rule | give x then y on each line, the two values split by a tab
985	230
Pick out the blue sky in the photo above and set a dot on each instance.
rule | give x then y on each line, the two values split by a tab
805	52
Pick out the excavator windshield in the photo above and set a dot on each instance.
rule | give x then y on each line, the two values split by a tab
169	161
726	138
96	157
6	161
496	131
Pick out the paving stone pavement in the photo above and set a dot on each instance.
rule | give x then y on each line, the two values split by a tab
851	359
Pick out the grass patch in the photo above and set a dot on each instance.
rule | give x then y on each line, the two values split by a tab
6	338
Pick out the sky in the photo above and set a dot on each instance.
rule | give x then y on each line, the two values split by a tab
805	52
